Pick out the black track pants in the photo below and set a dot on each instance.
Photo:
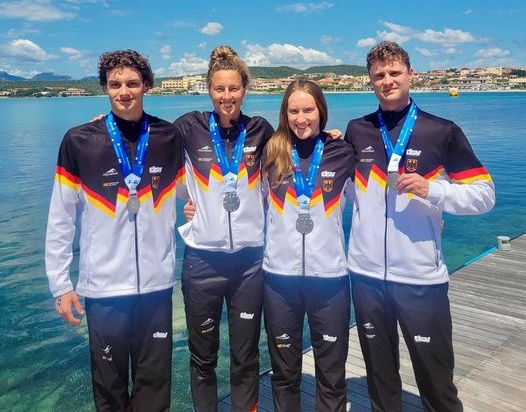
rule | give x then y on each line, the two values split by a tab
326	302
134	330
423	315
208	280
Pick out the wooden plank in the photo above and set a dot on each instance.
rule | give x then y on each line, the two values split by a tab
488	306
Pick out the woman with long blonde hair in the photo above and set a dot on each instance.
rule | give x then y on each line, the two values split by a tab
305	266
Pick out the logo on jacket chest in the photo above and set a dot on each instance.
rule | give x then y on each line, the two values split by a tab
155	173
250	155
411	165
327	183
250	159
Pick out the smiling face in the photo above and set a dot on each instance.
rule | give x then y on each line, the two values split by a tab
227	93
303	115
125	89
391	81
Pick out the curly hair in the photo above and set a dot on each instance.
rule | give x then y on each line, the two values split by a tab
387	51
225	58
124	58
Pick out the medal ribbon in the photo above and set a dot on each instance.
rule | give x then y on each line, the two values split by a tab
304	187
132	176
230	169
394	154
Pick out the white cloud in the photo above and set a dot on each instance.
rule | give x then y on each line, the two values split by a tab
24	50
166	52
402	34
83	59
306	7
181	24
15	71
391	36
25	31
398	28
448	36
424	52
212	28
256	55
73	54
491	53
33	11
287	54
326	40
188	64
449	50
368	42
445	43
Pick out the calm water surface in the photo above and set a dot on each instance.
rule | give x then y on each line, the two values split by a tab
44	363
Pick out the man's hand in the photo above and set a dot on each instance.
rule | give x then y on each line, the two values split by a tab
413	183
189	210
64	305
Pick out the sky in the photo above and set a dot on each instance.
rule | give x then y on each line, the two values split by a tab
66	37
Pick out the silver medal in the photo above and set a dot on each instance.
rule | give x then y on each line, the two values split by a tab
304	224
391	179
231	201
133	205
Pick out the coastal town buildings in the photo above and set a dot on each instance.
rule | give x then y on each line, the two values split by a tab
480	79
439	80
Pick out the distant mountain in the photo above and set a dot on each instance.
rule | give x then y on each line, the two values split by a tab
262	72
274	72
281	72
50	77
340	70
6	77
90	79
286	71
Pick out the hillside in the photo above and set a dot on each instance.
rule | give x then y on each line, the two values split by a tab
52	84
264	72
285	71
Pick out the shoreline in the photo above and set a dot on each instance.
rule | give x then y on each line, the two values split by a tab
249	92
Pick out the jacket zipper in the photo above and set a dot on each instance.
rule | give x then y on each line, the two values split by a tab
385	235
229	151
136	239
303	255
137	255
230	231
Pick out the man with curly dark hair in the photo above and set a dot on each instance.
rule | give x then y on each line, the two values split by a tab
115	185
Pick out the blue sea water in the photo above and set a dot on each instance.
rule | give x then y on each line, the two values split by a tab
44	363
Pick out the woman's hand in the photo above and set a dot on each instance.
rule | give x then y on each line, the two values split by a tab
189	210
334	134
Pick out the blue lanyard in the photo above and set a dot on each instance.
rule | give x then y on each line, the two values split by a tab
230	170
132	176
304	187
394	154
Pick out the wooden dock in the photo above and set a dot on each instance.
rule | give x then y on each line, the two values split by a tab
488	304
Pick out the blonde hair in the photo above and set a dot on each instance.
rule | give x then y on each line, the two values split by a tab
278	148
225	58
